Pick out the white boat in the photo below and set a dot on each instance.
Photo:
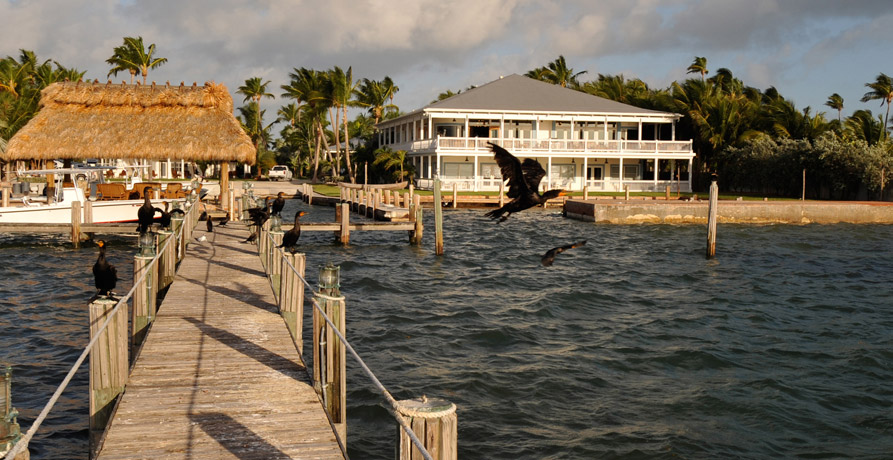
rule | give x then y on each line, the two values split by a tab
57	209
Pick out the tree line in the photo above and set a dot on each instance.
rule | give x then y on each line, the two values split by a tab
754	140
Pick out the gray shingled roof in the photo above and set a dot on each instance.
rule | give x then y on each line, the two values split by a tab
519	93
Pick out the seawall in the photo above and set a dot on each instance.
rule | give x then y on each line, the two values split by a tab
759	212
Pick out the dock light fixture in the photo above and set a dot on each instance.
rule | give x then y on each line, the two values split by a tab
276	223
330	280
147	244
9	428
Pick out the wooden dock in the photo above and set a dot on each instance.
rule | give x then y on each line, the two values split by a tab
219	375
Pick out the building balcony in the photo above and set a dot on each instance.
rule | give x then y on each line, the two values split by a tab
541	147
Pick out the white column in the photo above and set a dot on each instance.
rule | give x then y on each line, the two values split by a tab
477	174
430	128
585	170
673	131
689	174
620	173
549	173
168	174
640	130
656	164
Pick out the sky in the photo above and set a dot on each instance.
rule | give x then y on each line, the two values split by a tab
807	49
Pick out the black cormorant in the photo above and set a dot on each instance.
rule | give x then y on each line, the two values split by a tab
290	238
549	256
524	181
104	274
278	204
146	213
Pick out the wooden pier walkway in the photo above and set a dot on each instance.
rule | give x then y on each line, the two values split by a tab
219	375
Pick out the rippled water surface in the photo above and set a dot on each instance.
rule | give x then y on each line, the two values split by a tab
632	346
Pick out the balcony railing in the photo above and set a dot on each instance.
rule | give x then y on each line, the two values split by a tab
559	145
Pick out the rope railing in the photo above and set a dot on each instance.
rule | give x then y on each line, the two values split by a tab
26	438
394	407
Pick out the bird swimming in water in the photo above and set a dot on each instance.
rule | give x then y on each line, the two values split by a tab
549	256
146	213
105	275
524	181
278	204
290	238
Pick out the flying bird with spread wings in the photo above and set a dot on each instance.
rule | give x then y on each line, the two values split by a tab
524	182
549	257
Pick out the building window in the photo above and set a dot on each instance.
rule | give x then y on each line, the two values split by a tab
458	170
563	175
630	172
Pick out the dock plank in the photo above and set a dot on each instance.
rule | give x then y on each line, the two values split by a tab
219	375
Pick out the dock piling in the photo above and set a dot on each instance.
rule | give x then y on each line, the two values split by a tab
438	217
415	214
434	422
76	224
144	297
291	296
329	353
108	367
711	220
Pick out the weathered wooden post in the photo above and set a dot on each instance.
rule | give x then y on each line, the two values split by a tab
166	261
274	262
455	196
711	220
407	201
667	196
76	224
108	365
309	193
329	353
176	224
291	296
438	217
626	192
4	191
344	220
803	196
10	432
415	214
146	293
434	423
585	192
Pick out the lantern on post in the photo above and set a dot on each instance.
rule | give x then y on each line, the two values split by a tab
330	280
147	244
10	432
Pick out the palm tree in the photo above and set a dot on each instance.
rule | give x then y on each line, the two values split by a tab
835	101
133	57
864	126
881	88
290	113
311	87
391	160
699	65
376	96
255	90
343	86
560	74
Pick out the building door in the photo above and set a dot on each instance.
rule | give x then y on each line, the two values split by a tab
595	173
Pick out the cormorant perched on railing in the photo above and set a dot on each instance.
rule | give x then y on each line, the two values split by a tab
278	204
524	181
105	275
165	221
549	256
146	213
290	238
258	216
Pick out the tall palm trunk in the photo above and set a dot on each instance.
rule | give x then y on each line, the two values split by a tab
350	172
336	165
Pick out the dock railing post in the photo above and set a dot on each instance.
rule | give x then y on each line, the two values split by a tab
501	193
434	422
438	217
108	366
274	262
176	223
711	220
329	354
76	224
4	192
144	297
291	297
455	195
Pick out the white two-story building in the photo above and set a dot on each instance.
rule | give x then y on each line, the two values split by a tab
580	139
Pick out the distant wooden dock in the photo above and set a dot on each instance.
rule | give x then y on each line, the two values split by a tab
219	375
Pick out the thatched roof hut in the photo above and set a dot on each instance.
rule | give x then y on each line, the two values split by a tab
105	120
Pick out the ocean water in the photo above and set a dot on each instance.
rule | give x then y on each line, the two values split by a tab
631	346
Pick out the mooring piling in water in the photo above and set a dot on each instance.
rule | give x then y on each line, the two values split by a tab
329	354
711	220
438	217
